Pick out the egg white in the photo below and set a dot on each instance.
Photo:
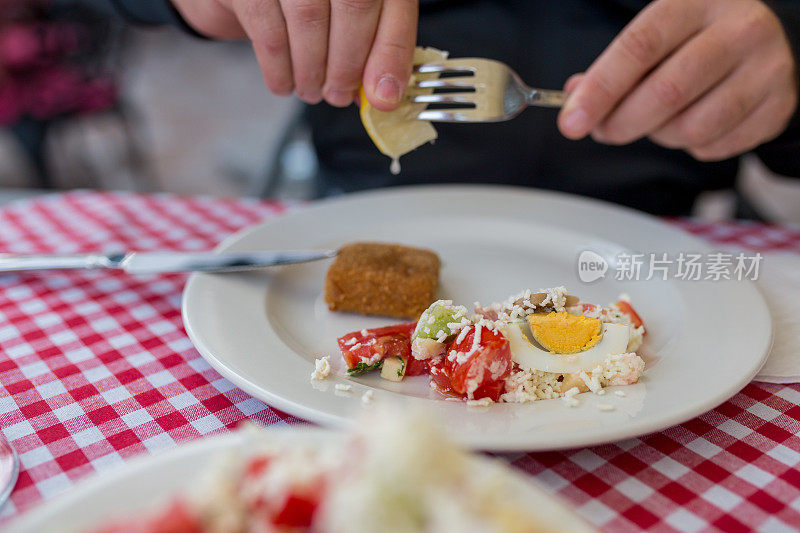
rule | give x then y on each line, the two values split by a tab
531	357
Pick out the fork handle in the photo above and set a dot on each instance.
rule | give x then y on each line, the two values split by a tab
545	98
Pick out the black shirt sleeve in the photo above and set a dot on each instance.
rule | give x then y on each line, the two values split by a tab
146	12
141	12
782	155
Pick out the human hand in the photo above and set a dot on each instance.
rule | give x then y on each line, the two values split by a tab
320	49
716	78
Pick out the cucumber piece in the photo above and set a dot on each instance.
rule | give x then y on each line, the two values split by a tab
436	321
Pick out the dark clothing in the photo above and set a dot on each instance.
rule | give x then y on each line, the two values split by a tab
545	42
142	12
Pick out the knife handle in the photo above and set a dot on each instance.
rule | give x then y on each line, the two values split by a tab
18	263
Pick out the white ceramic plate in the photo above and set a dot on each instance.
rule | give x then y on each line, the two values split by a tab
147	482
263	330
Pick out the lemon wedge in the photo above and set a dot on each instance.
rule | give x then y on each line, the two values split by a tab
396	133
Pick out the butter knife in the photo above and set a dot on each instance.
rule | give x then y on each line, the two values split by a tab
162	262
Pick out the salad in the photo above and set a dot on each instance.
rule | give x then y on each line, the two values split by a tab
397	472
533	346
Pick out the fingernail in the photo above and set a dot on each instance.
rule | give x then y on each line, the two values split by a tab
576	122
388	89
339	97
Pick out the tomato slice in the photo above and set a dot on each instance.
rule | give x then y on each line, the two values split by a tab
257	466
474	370
379	343
297	511
177	517
628	309
294	510
439	375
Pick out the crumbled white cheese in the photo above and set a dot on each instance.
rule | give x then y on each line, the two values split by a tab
520	305
610	315
528	386
460	325
483	402
461	335
591	380
350	342
531	385
556	296
605	407
341	387
422	348
474	382
636	338
367	397
486	323
621	369
370	360
322	368
497	368
476	343
620	393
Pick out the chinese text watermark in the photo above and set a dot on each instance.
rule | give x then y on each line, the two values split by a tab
685	266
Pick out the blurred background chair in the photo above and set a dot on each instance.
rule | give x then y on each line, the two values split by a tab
87	102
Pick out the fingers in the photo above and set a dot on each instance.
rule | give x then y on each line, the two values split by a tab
263	22
754	130
212	18
307	23
688	73
327	48
715	114
765	76
648	39
388	67
352	30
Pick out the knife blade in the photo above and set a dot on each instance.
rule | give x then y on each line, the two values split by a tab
163	262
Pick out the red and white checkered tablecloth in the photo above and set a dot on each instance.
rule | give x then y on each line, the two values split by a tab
95	367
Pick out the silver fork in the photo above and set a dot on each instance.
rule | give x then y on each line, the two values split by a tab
489	90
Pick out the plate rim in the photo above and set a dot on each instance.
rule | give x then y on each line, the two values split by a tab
640	428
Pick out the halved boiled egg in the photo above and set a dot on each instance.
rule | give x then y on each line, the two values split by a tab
561	332
614	341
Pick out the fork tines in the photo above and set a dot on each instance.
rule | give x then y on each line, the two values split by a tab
460	78
446	66
473	89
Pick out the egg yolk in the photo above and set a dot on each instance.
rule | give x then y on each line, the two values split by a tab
564	333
